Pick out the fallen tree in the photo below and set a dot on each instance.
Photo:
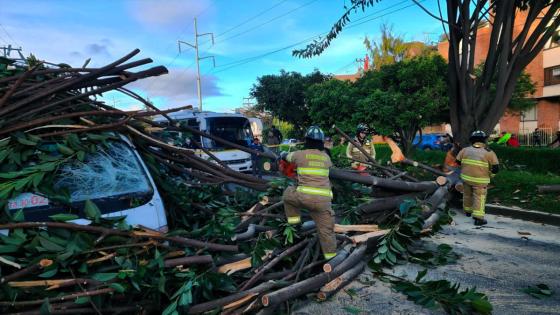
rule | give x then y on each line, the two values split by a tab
228	250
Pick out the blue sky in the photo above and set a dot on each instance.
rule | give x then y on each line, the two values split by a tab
72	31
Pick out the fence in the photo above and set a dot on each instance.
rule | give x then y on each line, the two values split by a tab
527	137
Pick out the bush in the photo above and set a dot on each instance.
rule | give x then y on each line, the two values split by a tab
536	160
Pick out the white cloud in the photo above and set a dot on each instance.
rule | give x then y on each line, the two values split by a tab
178	87
166	14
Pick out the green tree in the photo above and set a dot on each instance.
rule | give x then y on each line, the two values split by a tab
519	31
404	97
388	50
332	102
283	96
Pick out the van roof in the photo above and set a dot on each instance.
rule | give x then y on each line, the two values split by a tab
186	114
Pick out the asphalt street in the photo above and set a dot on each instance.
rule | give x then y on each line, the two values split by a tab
499	259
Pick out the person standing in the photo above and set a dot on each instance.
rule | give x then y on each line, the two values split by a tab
537	137
313	191
478	164
354	153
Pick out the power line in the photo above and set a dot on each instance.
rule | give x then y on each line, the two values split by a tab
250	59
251	18
266	22
205	10
345	66
9	36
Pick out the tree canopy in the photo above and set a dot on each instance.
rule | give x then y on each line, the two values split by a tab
283	95
519	29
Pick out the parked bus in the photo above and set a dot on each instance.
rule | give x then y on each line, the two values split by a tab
234	128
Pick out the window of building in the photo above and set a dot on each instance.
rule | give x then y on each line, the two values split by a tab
530	114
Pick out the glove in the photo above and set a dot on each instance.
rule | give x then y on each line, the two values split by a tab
283	155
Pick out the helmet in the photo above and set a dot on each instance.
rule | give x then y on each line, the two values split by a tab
362	128
315	133
478	136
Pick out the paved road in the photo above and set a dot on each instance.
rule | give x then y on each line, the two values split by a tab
497	259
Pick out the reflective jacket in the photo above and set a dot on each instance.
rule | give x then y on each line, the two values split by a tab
312	172
476	164
355	153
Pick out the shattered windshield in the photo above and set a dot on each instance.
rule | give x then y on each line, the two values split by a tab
233	129
113	170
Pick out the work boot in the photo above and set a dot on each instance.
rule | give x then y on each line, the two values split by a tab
468	214
479	222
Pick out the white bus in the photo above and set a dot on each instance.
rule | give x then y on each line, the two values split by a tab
234	128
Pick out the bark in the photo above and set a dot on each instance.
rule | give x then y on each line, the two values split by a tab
314	283
341	255
340	282
548	188
382	182
204	307
188	261
383	204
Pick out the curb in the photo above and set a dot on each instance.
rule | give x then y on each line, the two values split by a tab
522	214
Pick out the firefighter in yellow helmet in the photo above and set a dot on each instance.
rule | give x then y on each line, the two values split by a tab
354	153
478	164
313	191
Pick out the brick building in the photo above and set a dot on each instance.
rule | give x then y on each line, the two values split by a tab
544	71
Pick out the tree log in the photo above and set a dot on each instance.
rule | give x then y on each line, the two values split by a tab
341	255
235	266
548	188
340	282
382	182
313	283
424	167
273	263
383	204
357	239
43	263
188	261
263	287
338	228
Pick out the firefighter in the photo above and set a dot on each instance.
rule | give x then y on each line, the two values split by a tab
354	153
478	164
313	191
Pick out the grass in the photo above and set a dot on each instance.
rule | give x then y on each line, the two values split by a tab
519	188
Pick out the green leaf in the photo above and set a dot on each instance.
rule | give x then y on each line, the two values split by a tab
81	155
18	216
62	217
105	276
92	211
186	298
170	309
482	306
26	142
45	308
118	287
382	249
420	275
7	249
82	300
50	245
64	149
49	273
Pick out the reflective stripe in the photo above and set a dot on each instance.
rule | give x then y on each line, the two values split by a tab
474	162
318	164
478	180
316	157
290	157
329	255
315	191
479	213
467	209
294	220
313	171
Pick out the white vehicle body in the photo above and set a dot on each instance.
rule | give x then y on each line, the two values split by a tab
235	128
115	178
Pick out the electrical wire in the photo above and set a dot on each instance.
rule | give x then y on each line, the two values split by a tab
237	63
9	36
251	18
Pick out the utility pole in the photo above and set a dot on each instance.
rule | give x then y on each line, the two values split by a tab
247	101
197	59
